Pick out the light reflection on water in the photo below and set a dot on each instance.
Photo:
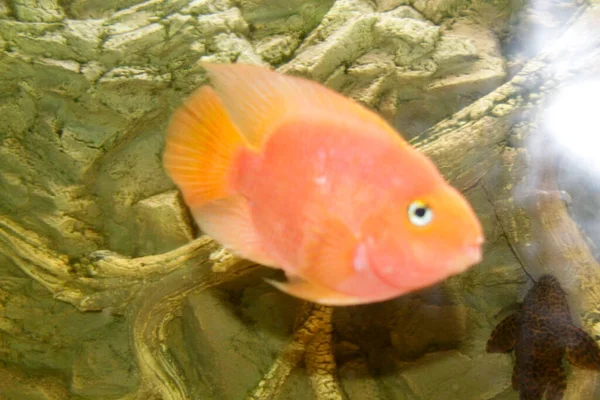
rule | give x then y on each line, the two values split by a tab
572	119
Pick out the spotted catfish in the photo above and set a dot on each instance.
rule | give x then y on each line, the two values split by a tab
541	333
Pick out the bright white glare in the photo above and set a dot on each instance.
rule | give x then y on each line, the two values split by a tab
573	120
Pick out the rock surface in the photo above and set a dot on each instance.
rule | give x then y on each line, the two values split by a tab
87	98
236	338
87	211
85	352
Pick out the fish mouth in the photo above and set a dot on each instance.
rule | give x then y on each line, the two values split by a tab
473	252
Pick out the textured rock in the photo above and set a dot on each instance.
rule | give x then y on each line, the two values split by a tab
584	191
435	10
95	9
275	49
4	8
452	52
355	379
16	384
162	224
231	343
135	41
87	89
102	370
431	328
294	18
54	340
125	68
408	40
452	375
38	10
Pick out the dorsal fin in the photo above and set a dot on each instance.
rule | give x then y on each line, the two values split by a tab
257	97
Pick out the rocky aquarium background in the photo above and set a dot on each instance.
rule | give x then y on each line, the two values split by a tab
108	290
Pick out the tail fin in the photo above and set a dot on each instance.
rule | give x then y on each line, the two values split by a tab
201	146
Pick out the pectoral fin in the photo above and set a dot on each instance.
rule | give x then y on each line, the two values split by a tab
229	221
313	292
328	252
582	349
504	336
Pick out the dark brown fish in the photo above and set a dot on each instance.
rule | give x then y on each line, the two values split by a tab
541	333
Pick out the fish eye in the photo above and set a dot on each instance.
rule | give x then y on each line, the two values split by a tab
419	213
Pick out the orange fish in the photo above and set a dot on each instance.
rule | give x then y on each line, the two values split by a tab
290	174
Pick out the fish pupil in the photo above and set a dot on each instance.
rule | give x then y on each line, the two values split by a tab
420	212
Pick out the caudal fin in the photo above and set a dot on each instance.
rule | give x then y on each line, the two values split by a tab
201	146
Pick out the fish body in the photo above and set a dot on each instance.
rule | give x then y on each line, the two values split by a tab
541	334
292	175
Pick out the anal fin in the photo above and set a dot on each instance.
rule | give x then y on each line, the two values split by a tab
315	293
